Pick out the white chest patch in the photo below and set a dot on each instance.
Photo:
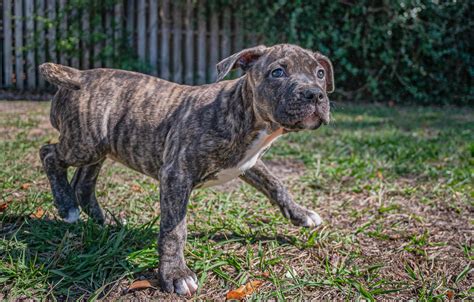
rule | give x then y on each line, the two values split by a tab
263	141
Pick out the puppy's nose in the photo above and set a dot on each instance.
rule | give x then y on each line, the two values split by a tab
313	94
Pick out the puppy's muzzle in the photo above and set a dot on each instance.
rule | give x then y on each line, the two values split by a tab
318	97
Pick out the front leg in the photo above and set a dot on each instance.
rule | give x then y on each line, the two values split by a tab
263	180
174	275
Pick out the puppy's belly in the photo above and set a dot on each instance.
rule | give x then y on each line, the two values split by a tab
263	142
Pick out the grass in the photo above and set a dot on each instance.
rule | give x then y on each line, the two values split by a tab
394	186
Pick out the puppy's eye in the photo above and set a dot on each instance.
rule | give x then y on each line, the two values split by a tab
320	74
278	73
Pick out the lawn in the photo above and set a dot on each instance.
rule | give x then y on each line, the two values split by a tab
394	186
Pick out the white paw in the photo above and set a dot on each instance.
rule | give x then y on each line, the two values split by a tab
186	286
72	216
313	220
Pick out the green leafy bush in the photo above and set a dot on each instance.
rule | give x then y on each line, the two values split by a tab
400	51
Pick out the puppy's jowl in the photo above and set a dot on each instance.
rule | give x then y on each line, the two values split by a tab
187	137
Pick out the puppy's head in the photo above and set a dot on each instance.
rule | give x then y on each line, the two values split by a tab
289	84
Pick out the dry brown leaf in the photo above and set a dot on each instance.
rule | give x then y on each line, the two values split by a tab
25	186
450	294
244	291
136	188
38	213
3	206
142	284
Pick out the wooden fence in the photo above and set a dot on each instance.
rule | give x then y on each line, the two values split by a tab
175	40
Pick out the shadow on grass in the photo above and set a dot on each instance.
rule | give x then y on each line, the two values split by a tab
72	261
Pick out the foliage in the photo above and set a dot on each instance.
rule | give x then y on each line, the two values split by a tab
402	51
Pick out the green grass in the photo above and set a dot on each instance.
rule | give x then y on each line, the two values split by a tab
393	185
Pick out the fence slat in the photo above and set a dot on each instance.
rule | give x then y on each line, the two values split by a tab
109	37
141	27
153	43
118	30
131	22
63	32
165	39
85	40
214	46
238	38
30	45
189	45
177	47
75	57
97	29
52	55
19	44
7	43
41	53
201	45
226	35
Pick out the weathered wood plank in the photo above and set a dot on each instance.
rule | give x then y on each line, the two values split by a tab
109	40
40	29
165	39
201	43
131	22
52	54
30	45
118	28
238	37
7	43
97	29
19	45
177	47
153	36
189	45
63	31
226	33
141	27
214	46
85	41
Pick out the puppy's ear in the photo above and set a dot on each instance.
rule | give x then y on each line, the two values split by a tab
243	59
327	65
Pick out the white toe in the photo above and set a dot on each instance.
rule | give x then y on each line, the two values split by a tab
181	288
313	219
72	216
192	285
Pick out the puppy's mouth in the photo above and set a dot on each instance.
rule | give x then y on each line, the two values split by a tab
311	121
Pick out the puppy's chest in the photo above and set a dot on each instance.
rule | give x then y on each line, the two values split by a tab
252	154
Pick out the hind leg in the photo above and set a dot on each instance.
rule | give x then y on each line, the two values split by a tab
83	184
56	170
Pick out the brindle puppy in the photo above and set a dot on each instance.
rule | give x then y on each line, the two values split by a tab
187	137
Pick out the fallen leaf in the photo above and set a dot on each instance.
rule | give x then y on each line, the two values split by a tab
136	188
142	284
244	291
379	175
25	186
3	206
38	214
450	294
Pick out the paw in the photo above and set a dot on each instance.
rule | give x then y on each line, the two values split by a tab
181	281
72	215
300	216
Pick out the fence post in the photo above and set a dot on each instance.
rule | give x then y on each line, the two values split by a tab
51	5
131	22
7	42
40	29
153	42
85	39
189	45
165	39
19	44
63	32
177	49
201	48
30	45
118	30
141	28
214	47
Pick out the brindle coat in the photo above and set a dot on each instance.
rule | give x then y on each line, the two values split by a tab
185	136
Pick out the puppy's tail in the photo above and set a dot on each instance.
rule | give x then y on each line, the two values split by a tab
60	75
